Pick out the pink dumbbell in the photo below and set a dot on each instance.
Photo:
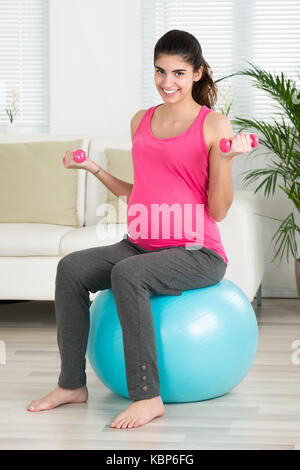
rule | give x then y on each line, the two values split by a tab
79	156
225	144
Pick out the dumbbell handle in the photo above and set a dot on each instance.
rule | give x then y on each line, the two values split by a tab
79	156
225	144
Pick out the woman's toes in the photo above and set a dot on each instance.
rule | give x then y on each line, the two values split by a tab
34	406
131	423
31	406
45	405
114	423
125	425
119	423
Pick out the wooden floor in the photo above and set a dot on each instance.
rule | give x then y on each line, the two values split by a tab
263	412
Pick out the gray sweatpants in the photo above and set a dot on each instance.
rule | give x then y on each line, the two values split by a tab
133	274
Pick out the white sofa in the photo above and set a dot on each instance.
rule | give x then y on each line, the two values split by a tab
29	253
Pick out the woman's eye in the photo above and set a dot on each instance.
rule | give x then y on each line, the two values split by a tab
158	71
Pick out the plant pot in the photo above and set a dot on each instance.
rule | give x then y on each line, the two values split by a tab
297	274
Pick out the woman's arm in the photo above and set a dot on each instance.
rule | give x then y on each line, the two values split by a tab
115	185
220	194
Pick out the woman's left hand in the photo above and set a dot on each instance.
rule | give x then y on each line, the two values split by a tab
240	143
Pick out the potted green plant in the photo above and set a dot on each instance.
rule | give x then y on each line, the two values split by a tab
283	141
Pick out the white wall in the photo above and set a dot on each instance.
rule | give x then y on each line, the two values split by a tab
95	88
95	65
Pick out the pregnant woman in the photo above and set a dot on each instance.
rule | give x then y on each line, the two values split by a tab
180	169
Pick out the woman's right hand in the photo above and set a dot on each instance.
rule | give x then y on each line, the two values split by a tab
69	161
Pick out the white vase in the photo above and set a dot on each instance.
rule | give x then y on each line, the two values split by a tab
11	128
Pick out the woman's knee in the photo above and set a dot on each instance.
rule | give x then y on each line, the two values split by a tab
68	264
123	270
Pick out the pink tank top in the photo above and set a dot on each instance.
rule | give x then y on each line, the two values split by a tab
168	203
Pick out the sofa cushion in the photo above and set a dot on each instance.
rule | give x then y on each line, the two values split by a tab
31	239
91	236
35	186
119	164
96	192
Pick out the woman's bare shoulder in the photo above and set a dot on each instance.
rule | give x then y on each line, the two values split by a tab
135	121
209	126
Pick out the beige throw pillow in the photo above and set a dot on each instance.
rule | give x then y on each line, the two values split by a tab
119	164
35	187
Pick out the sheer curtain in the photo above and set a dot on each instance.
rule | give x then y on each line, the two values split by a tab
24	58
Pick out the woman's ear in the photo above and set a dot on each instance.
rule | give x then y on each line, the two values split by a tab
198	75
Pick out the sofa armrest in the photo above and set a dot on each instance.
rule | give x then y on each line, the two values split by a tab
241	234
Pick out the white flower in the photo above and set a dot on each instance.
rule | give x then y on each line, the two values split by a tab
224	101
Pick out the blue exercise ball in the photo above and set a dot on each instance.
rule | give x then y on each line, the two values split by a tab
206	342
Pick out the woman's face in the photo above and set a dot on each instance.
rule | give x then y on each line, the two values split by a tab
172	73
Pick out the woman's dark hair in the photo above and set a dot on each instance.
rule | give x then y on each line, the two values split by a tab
185	45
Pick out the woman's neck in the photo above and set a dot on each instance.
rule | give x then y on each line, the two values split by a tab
179	111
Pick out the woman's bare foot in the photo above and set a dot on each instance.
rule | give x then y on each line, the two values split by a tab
59	396
140	412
